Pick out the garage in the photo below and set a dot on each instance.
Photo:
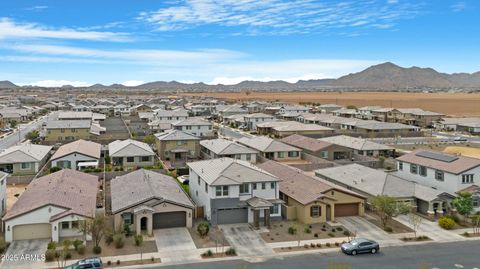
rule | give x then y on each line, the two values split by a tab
232	215
169	220
32	231
345	210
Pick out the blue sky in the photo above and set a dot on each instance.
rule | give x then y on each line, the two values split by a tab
51	43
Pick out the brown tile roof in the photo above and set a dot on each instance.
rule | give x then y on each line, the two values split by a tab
300	186
458	166
304	142
470	189
81	146
73	190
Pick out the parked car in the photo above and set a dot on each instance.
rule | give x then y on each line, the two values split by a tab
460	139
183	179
360	245
89	263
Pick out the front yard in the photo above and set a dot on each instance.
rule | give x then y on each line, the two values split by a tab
393	226
283	231
215	237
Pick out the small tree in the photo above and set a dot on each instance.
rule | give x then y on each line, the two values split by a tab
95	227
415	220
203	228
387	207
33	135
463	204
139	244
149	139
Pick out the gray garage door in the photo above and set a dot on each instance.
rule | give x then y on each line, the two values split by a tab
169	220
230	216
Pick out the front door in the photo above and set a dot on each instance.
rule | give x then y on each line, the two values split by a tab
143	224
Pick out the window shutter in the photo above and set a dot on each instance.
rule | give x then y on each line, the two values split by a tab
311	211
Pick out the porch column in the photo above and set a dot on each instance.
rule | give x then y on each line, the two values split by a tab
266	217
256	218
430	211
150	224
138	224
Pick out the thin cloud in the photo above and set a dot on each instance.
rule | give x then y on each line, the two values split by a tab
459	6
36	8
10	29
278	16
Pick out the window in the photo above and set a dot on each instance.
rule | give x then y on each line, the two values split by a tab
423	171
127	218
438	175
244	188
272	185
315	211
130	159
198	181
75	225
281	155
467	178
413	169
274	210
198	127
254	186
238	156
145	158
263	185
65	225
324	154
400	166
206	187
73	130
180	142
25	165
369	152
249	157
292	154
62	130
221	191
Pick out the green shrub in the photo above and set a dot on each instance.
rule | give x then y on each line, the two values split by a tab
339	229
331	234
68	256
203	228
292	230
231	252
454	218
346	233
319	245
54	169
98	170
52	245
108	238
50	255
312	245
108	160
446	223
315	235
109	263
119	240
327	244
118	262
388	229
207	253
126	230
307	231
77	243
3	245
81	249
97	249
138	240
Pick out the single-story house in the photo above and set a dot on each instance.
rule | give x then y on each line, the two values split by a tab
131	153
77	155
24	159
52	207
148	200
318	148
360	146
3	193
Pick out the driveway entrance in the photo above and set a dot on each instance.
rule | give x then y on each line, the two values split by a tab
33	248
245	241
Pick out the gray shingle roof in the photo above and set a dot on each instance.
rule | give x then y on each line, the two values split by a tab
129	147
265	144
67	124
81	146
24	153
142	185
192	122
225	147
355	143
227	171
173	135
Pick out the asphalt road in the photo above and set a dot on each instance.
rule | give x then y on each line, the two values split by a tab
15	136
433	255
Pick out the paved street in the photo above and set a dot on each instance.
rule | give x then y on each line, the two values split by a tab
433	255
14	137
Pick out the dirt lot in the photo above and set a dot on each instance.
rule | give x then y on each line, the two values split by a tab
12	191
215	238
458	147
279	232
465	151
459	104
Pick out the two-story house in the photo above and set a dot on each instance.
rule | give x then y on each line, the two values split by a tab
272	149
446	172
195	126
234	191
67	130
177	147
251	120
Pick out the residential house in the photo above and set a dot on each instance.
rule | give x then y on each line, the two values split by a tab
272	149
318	148
372	182
121	110
474	190
3	194
310	199
416	116
131	153
52	207
236	120
141	108
360	146
285	128
24	159
222	148
171	116
223	111
67	130
345	112
328	108
293	109
446	172
234	191
177	147
195	126
146	200
470	124
365	112
251	120
77	155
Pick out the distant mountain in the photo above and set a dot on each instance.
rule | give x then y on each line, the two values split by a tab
5	84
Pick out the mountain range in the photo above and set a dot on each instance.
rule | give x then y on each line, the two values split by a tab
386	77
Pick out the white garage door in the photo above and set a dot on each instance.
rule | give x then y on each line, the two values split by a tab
32	231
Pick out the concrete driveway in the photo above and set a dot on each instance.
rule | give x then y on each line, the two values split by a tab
363	228
173	239
28	254
432	230
246	241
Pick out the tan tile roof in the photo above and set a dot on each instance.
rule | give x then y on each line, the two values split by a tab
73	190
458	166
81	146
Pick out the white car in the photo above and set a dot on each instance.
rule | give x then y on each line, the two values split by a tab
183	179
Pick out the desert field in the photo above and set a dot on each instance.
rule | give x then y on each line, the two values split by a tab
453	104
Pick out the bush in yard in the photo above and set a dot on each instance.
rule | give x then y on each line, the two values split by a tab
52	245
454	218
331	234
446	223
315	235
305	246
54	169
118	262
108	238
138	240
312	245
292	230
119	240
109	263
50	255
388	229
203	228
231	252
3	245
319	245
126	230
327	244
307	231
77	243
207	253
81	249
346	233
97	249
68	256
339	229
